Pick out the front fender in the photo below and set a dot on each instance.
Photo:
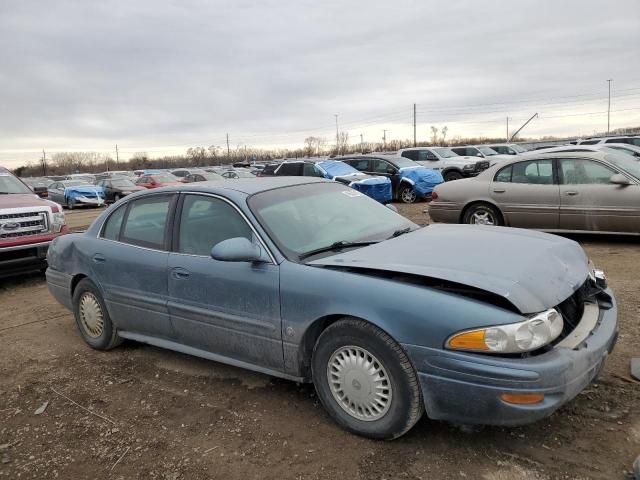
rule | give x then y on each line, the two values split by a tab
409	313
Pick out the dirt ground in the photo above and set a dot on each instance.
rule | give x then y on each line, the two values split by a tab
142	412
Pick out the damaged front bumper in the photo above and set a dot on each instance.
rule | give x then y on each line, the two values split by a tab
467	388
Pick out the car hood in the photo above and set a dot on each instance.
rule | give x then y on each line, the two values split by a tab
531	270
19	200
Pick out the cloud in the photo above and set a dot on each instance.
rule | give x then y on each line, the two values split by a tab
158	76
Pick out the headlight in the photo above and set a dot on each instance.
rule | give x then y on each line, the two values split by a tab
469	166
57	221
520	337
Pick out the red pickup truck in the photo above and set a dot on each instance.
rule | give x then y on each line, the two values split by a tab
28	224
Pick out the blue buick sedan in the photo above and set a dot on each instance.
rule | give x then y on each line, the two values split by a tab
312	281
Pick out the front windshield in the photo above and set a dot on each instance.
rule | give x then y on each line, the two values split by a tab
303	218
244	174
10	184
164	178
518	148
74	183
625	162
445	152
403	162
487	151
122	182
212	176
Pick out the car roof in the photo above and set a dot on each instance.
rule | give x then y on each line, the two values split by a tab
248	186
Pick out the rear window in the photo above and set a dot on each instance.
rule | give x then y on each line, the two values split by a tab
146	222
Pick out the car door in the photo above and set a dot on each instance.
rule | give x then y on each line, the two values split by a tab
589	201
383	168
130	265
54	193
230	309
528	194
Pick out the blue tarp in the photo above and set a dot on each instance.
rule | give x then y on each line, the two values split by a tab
378	188
423	179
336	168
87	191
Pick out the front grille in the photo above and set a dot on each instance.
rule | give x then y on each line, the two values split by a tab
14	225
482	165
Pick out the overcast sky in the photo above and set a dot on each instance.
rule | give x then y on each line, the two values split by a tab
160	76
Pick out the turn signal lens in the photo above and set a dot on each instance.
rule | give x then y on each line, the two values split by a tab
473	340
522	398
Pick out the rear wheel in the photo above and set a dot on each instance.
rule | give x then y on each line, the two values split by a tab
365	380
482	214
451	176
407	194
116	197
92	318
71	203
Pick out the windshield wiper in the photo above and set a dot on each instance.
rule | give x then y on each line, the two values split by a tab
335	246
402	231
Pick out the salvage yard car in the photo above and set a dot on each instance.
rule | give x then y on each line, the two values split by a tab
410	181
312	281
28	223
451	165
76	193
563	189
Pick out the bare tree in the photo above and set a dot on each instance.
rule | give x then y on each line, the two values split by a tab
444	131
434	135
343	142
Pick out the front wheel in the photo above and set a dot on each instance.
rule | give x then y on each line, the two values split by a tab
71	203
365	380
482	214
451	176
407	194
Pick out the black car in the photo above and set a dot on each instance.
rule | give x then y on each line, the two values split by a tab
116	188
396	169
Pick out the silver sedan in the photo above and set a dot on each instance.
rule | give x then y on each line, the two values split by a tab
562	191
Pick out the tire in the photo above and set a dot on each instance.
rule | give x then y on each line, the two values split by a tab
356	339
407	194
116	197
94	322
71	203
452	175
482	214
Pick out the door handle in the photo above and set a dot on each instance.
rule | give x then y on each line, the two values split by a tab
180	273
499	190
571	193
99	258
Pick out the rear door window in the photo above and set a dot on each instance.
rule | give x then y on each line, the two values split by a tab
146	222
111	229
536	172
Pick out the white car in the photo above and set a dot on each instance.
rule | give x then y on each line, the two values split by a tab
507	148
482	152
451	165
631	140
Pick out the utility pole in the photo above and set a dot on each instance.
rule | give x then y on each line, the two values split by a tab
228	150
44	164
524	125
337	136
384	138
609	107
117	156
507	129
414	125
361	144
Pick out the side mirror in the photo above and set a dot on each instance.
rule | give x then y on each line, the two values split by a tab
238	249
619	179
391	171
478	155
391	207
41	191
